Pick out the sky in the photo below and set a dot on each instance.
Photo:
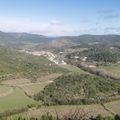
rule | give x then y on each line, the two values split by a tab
60	17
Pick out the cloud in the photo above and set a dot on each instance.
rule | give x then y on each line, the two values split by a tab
100	30
56	23
93	30
106	11
85	21
51	28
57	28
108	14
111	16
113	30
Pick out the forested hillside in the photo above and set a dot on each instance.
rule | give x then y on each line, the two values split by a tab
79	89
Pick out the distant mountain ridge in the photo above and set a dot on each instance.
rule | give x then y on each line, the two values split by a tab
21	39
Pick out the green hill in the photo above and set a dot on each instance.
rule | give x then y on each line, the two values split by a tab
16	64
78	89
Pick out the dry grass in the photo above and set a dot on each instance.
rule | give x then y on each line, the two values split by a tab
34	88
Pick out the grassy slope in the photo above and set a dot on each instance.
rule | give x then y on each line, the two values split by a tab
4	90
14	62
14	100
17	99
73	69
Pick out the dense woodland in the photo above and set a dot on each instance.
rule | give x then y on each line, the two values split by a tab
78	89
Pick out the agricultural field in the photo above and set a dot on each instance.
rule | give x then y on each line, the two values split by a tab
66	109
14	93
114	106
13	98
31	88
93	109
113	69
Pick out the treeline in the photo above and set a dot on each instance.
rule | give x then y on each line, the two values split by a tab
99	54
78	89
